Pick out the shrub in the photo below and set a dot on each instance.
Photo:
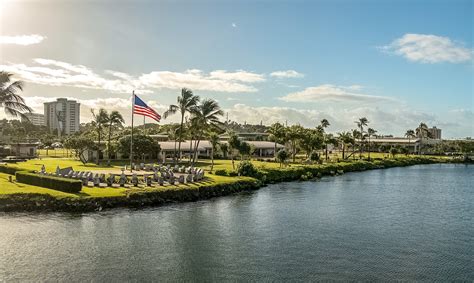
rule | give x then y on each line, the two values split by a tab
50	182
221	172
246	168
314	156
9	169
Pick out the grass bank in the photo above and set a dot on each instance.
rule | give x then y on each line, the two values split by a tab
16	196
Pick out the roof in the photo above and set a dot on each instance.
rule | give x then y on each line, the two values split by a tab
393	140
204	144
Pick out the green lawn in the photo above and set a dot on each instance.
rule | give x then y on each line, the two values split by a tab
7	187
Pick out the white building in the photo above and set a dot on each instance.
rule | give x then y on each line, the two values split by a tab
62	115
435	133
36	119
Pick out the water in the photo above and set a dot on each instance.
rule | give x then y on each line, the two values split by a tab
412	223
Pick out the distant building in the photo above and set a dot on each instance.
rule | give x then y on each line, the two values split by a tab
247	136
62	115
24	150
36	119
435	133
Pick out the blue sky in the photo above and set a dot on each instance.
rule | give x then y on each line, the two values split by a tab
396	62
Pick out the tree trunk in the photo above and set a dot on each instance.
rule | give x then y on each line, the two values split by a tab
108	142
369	147
180	135
98	150
190	150
212	158
343	151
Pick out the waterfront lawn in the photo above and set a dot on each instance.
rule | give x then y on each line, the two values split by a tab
8	188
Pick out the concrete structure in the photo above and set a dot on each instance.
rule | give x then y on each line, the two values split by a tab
36	119
24	150
435	133
62	115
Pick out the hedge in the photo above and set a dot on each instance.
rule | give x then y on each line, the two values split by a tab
50	182
9	169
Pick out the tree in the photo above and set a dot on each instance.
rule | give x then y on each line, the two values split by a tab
410	134
142	145
234	144
294	134
214	141
244	149
323	125
360	124
311	140
345	138
10	100
187	103
99	121
421	132
277	134
79	145
370	132
393	151
224	149
114	121
206	116
282	156
47	140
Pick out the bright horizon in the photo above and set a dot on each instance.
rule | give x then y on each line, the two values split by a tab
396	63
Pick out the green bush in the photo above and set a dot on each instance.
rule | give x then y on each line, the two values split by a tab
50	182
9	169
246	168
221	172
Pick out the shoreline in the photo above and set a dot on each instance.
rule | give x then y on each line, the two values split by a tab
35	202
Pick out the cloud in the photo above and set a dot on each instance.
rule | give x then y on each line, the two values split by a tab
22	39
58	73
286	74
332	92
427	48
234	25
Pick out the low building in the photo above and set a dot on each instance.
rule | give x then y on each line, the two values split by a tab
36	119
247	136
24	150
261	148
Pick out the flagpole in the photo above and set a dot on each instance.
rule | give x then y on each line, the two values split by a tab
144	129
131	136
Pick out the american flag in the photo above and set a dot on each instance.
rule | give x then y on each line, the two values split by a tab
140	108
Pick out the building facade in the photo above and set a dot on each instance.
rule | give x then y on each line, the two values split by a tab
36	119
435	133
62	115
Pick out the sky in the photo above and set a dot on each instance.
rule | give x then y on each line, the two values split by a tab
398	63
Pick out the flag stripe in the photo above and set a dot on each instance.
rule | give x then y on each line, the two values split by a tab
141	108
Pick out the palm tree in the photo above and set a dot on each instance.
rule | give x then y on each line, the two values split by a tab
421	132
115	121
294	134
410	134
360	124
10	100
207	115
278	133
370	132
234	144
186	104
324	124
99	121
345	138
214	141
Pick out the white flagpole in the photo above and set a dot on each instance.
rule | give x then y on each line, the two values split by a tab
131	136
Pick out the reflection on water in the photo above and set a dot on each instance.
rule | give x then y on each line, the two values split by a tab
411	223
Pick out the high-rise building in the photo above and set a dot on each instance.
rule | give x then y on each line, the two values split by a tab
435	133
62	115
36	119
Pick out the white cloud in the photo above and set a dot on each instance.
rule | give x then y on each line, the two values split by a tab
286	74
57	73
234	25
427	48
21	39
331	92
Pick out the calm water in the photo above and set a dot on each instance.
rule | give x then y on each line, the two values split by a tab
413	223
